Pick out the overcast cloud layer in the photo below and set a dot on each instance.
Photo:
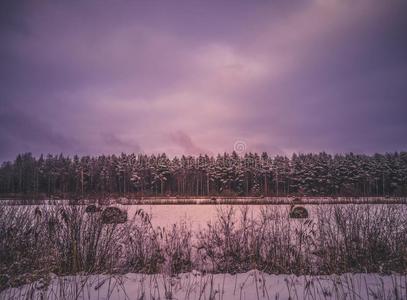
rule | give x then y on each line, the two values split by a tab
189	77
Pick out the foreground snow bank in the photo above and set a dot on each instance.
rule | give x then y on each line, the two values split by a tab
194	285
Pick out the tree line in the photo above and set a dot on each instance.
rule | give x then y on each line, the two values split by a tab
228	174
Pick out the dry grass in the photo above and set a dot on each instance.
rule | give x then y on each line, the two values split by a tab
66	240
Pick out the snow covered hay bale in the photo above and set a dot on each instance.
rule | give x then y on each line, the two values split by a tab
123	201
92	208
298	212
114	215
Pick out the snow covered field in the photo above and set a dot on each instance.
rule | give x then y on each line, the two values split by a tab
159	246
194	285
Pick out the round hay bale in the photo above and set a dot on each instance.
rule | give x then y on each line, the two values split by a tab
298	212
73	202
123	201
113	215
90	209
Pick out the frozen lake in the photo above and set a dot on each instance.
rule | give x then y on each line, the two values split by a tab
198	216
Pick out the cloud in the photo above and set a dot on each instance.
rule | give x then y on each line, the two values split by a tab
116	144
184	141
99	78
24	133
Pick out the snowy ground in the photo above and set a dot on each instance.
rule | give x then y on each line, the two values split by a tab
194	285
250	285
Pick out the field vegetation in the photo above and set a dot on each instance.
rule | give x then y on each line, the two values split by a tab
67	240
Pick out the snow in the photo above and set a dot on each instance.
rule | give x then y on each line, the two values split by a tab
194	285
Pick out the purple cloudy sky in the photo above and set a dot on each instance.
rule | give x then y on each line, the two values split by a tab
185	77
